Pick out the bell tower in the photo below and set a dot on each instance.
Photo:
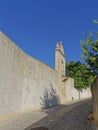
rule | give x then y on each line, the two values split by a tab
60	60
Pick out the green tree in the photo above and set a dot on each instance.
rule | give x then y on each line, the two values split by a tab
80	73
95	21
90	53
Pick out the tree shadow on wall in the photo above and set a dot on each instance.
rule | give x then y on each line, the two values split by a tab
49	98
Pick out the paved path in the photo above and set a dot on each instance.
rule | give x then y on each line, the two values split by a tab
68	117
20	122
72	117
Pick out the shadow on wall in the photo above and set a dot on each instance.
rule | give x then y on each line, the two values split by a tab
49	98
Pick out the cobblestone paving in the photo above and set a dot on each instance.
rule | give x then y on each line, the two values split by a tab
22	121
72	117
67	117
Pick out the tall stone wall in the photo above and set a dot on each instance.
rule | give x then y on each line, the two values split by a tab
69	93
74	94
94	89
25	83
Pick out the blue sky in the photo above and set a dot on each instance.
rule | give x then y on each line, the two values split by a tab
36	25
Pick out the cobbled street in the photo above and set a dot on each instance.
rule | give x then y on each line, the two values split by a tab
71	117
65	117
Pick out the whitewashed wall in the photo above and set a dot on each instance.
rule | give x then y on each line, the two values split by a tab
25	82
74	94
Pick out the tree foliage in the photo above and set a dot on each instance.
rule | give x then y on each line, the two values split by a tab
80	73
90	53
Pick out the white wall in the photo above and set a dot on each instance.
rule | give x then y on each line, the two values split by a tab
24	81
71	92
74	94
85	93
